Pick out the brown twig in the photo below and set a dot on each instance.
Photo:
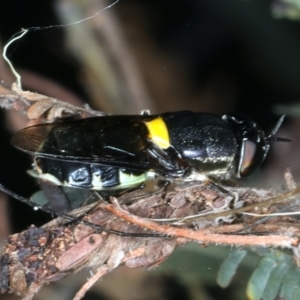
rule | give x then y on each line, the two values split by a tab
205	236
103	271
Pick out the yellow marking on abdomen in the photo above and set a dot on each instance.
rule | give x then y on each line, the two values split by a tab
158	132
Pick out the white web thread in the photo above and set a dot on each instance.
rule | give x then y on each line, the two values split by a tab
16	74
21	33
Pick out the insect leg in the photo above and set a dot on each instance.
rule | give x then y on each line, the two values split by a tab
89	211
170	160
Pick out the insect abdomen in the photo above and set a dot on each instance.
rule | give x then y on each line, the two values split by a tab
88	176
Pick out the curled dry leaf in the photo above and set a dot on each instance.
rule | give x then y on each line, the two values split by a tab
41	255
40	107
12	100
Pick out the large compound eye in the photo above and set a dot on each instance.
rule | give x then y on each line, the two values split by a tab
252	143
251	156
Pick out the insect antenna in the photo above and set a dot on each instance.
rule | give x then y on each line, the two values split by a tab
53	212
272	137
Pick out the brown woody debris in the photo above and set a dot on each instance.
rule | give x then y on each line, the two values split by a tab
42	255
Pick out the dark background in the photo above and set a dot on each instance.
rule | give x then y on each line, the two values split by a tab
214	56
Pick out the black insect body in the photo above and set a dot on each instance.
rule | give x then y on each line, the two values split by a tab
120	152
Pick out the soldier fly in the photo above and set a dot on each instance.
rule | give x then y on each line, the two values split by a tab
113	153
